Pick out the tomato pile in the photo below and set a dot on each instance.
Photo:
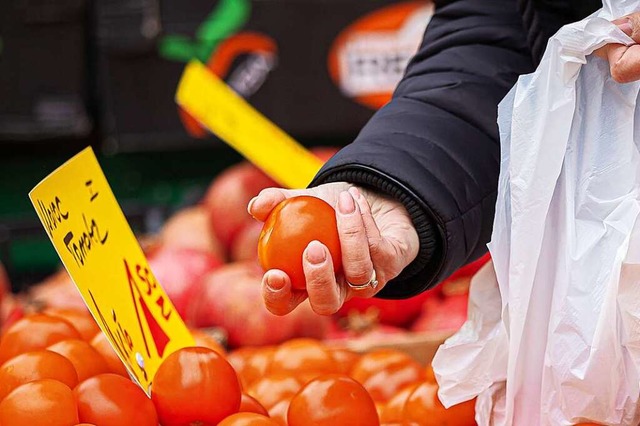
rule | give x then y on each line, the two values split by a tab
203	251
52	373
57	368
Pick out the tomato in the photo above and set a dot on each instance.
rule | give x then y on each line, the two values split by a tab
331	400
86	360
278	412
345	359
251	363
80	319
205	340
44	402
430	374
393	410
306	356
274	387
36	365
249	404
112	400
290	227
33	333
384	372
195	385
247	419
424	407
103	347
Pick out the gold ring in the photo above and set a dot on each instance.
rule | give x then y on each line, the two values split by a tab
372	283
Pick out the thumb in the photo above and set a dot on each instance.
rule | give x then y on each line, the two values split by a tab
630	25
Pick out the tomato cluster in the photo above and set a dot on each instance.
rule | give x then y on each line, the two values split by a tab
58	369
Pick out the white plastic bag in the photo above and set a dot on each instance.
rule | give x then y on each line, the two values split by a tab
553	336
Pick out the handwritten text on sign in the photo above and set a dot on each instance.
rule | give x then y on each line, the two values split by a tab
103	257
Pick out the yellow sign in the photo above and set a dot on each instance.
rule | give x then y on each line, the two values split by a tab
232	119
92	237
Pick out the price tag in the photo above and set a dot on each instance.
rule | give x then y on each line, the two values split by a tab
209	100
96	245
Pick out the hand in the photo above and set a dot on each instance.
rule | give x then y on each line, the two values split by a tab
375	232
624	60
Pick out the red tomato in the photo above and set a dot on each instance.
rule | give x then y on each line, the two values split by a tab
33	333
251	363
331	400
384	372
80	319
306	356
36	365
103	347
424	407
44	402
249	404
85	359
195	385
247	419
290	227
112	400
273	388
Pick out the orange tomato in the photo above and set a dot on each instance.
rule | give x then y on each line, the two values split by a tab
331	400
80	319
384	372
290	227
103	347
344	359
247	419
431	375
112	400
251	363
424	407
44	402
85	359
205	340
306	356
34	332
278	412
393	410
36	365
195	385
274	387
249	404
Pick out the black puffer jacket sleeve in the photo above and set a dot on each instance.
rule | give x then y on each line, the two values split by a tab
435	146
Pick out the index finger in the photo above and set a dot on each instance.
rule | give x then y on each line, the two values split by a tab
261	205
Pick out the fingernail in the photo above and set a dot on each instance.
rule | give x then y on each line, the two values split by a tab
275	282
315	253
250	205
346	205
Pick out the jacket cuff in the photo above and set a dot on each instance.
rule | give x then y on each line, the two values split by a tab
421	274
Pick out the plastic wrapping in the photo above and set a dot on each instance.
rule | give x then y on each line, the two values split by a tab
553	336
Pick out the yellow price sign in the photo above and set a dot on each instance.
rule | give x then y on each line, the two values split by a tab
209	100
97	246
